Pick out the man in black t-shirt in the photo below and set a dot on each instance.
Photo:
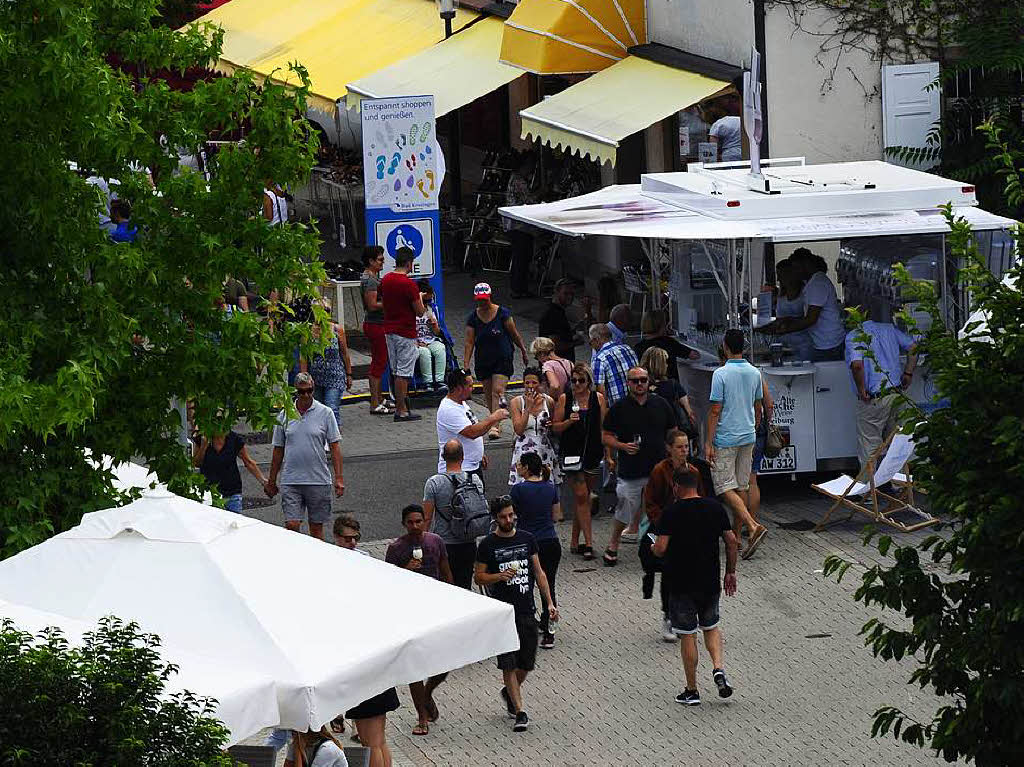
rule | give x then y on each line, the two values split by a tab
635	426
555	324
688	534
508	565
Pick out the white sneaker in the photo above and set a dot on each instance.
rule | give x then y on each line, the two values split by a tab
630	537
666	631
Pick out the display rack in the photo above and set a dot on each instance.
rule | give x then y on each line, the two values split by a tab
485	241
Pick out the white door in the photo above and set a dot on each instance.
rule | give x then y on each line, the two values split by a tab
910	108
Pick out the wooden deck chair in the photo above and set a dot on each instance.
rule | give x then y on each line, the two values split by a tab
891	458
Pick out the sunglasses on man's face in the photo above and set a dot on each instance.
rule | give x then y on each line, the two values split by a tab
303	392
639	380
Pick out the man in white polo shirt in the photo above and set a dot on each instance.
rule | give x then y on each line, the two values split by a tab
823	318
456	420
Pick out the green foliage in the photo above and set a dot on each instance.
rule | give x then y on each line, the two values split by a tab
104	702
98	338
961	589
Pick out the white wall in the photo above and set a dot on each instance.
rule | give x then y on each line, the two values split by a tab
842	123
717	29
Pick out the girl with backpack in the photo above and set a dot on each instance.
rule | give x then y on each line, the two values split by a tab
537	508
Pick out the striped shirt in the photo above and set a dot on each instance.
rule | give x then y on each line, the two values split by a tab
611	363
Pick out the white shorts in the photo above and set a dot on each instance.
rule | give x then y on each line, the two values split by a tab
629	495
732	468
402	354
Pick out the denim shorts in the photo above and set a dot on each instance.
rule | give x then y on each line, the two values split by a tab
299	500
690	612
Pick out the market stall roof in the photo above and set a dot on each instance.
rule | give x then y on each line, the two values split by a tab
222	586
592	117
550	37
456	71
338	41
623	211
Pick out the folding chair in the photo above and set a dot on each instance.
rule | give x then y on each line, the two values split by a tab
892	468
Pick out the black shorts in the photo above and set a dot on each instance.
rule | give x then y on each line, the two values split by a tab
378	705
485	370
525	658
690	612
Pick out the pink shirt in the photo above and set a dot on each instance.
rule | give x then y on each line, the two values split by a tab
561	369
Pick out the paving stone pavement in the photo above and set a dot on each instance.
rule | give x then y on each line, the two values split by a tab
604	695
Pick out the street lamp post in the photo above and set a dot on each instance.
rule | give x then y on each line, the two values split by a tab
447	11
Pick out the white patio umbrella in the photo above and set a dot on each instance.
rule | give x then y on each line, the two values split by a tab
246	702
329	626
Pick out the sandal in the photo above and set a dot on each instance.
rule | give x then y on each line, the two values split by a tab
421	729
588	552
610	558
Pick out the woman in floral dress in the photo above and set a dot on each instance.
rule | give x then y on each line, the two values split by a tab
531	420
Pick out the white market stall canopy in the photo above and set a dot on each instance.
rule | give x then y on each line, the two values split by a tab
823	202
327	627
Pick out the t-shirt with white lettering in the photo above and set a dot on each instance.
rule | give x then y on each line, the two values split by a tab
514	552
828	332
452	418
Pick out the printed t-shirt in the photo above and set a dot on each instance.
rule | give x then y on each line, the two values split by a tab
222	468
398	293
735	385
500	553
533	502
439	490
400	552
303	438
691	562
424	330
452	418
626	419
828	332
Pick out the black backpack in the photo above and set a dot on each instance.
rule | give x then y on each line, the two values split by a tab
468	514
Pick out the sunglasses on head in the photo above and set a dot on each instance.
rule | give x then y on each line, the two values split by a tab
504	500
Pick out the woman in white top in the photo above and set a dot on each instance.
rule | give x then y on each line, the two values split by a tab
823	318
531	420
318	749
275	206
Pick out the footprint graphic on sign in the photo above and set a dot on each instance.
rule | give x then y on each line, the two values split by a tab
381	193
422	157
398	185
412	134
430	176
424	132
411	162
395	159
381	160
408	182
419	185
427	149
400	142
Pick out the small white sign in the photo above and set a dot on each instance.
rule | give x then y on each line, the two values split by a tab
417	234
707	152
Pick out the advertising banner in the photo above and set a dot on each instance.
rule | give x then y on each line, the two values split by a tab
794	415
402	174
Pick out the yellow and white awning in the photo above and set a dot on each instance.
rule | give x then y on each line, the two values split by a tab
592	117
572	36
337	41
456	71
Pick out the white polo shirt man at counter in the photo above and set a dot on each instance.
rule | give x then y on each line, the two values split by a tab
456	420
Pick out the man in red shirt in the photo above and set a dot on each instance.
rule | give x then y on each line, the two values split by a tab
402	305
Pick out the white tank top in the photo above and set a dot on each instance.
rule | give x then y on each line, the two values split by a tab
278	207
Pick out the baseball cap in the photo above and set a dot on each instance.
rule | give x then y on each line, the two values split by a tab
482	290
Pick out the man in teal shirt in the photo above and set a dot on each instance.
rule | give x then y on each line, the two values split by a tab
736	395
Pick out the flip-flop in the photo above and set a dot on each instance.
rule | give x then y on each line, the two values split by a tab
754	543
610	558
421	729
588	552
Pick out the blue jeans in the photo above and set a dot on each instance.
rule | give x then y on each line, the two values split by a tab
330	397
234	503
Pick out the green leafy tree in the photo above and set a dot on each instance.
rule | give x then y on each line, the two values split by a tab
97	339
104	702
963	611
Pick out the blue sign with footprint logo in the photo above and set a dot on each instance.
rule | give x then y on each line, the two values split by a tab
404	236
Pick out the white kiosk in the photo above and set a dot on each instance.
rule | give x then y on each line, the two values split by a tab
712	235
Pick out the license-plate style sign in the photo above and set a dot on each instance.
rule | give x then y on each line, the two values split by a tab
784	461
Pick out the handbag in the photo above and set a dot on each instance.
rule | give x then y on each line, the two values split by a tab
773	442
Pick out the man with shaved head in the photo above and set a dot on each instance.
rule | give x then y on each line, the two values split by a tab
437	499
635	426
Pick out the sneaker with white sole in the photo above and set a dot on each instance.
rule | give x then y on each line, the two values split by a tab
722	683
522	722
688	698
630	537
667	634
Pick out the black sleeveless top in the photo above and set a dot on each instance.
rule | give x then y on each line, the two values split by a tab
584	437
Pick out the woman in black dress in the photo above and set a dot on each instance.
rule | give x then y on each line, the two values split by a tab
578	416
